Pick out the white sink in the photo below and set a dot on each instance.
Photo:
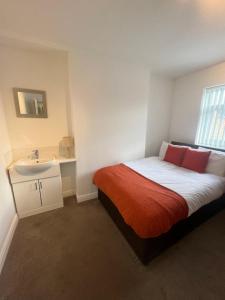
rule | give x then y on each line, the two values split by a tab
32	166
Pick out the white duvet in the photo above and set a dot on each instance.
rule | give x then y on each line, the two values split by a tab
197	189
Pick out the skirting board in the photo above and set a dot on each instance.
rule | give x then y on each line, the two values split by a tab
69	193
7	241
85	197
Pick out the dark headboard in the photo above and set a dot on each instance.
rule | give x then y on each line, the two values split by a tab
196	146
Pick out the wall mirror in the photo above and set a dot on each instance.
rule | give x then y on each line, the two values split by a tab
30	103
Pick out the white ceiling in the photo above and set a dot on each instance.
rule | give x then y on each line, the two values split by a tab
172	36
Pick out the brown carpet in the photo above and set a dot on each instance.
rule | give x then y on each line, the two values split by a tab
78	253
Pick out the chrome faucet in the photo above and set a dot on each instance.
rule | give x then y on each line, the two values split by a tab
35	154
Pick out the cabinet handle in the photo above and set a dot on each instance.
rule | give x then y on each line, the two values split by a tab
40	185
36	186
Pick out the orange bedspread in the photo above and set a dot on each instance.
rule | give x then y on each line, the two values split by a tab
149	208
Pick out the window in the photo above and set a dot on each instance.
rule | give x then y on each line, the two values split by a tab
211	126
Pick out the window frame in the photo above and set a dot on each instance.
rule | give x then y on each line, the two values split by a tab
200	115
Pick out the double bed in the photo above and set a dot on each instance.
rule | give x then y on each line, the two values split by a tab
155	203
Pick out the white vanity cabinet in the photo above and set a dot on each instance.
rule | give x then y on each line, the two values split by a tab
50	190
38	193
27	196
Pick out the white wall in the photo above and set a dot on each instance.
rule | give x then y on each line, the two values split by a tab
41	70
187	99
159	113
109	106
7	209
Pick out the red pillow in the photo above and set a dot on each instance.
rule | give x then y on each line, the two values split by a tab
196	160
175	155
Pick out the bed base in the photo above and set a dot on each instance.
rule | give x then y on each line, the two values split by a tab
147	249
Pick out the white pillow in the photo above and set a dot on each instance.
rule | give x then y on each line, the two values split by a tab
163	149
216	163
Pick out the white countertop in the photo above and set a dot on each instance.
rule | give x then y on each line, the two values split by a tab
59	159
54	170
63	160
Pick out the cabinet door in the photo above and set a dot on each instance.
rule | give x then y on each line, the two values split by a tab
51	191
27	196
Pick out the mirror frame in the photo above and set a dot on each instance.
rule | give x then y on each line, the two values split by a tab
16	100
